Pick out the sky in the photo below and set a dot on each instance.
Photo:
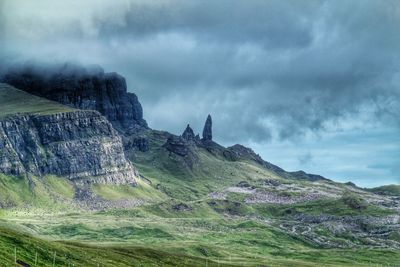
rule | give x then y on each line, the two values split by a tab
310	85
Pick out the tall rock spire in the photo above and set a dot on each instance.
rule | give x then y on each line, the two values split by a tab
207	131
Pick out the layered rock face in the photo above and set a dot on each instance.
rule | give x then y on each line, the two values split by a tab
79	145
83	89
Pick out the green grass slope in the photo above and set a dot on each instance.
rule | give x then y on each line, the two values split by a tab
391	190
14	101
48	194
134	240
172	175
38	252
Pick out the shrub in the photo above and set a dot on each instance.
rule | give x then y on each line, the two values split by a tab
353	201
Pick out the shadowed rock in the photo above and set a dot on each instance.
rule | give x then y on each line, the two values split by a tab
138	143
177	145
207	131
188	134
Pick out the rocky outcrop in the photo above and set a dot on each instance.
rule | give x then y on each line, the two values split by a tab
207	131
138	143
307	176
79	145
239	152
177	145
188	134
77	87
184	146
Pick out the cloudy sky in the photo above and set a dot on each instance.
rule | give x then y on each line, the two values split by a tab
311	85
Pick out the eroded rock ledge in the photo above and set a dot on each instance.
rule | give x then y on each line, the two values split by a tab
79	145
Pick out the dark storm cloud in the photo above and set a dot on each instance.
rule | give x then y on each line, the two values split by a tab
300	65
2	26
263	69
275	24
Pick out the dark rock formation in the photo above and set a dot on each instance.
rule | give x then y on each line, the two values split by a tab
182	207
207	131
238	152
177	145
89	89
183	150
188	134
138	143
80	145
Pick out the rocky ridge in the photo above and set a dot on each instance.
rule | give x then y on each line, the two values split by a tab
186	145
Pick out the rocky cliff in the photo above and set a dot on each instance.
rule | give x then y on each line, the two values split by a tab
79	145
82	88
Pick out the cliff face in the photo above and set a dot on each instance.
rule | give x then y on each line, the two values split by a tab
79	145
83	89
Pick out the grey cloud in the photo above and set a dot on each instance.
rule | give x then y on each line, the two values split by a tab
305	159
275	24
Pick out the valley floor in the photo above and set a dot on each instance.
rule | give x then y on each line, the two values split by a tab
137	238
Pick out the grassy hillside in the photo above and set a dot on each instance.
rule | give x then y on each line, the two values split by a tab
172	175
46	193
14	101
39	252
132	238
392	190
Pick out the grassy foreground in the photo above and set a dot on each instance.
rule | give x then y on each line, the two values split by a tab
115	240
192	230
